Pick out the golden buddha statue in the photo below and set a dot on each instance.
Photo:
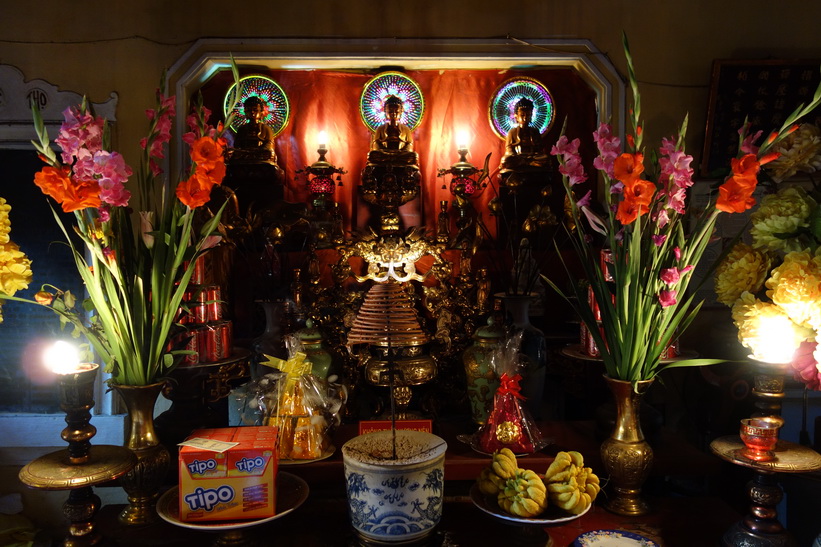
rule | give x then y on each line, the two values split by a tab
392	142
524	145
254	142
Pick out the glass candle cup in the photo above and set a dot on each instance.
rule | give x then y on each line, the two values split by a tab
760	436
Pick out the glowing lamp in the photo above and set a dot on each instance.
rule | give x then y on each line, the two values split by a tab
773	340
323	140
81	466
63	358
462	139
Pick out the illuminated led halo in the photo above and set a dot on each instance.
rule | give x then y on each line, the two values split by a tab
503	104
391	83
279	110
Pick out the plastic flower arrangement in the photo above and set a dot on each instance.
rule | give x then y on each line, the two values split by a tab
773	285
15	266
135	268
643	294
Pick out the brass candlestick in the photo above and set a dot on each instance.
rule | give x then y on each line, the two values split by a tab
80	466
761	526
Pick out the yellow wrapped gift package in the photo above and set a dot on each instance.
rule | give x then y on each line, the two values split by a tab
303	428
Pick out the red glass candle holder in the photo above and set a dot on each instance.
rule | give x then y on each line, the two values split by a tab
760	436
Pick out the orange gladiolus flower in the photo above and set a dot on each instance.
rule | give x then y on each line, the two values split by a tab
629	210
628	167
747	167
196	191
206	152
70	194
639	191
735	196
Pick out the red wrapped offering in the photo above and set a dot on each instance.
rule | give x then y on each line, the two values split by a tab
506	426
509	424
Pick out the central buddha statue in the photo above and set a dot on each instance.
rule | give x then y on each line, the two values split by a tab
254	142
392	142
524	145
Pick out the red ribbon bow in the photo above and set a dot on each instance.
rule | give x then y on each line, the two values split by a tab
510	384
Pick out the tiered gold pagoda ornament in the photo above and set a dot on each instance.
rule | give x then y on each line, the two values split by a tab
397	354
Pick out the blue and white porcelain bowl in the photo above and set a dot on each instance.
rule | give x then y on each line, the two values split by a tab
395	500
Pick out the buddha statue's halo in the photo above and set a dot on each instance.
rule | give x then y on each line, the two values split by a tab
502	106
275	100
383	85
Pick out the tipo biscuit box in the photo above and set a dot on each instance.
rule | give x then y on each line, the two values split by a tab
228	474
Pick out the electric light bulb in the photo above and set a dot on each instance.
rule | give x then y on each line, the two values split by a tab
776	340
323	139
462	139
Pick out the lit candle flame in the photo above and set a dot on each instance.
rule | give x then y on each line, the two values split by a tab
62	358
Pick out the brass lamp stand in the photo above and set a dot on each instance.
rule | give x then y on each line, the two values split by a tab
80	466
761	527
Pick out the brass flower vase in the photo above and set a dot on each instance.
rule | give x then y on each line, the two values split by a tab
626	456
142	484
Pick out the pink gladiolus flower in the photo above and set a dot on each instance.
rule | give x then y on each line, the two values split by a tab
565	147
104	212
584	201
617	187
574	170
668	146
79	131
659	239
670	276
748	143
609	149
662	218
677	253
667	298
111	173
676	166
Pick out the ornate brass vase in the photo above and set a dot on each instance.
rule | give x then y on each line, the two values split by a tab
626	456
142	483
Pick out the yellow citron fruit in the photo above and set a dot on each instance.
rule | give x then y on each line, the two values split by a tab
489	482
504	463
524	495
569	484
